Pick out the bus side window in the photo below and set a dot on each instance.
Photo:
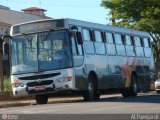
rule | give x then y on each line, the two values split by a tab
111	50
76	48
128	40
88	41
129	46
119	45
138	47
146	42
99	45
147	49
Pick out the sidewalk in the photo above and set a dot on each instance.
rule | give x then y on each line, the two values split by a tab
8	100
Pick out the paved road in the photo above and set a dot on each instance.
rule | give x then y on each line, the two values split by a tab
148	103
108	104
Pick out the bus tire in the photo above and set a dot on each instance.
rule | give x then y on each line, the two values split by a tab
41	99
132	90
125	92
158	91
134	86
92	91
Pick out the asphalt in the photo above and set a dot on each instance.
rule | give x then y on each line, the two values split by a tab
29	101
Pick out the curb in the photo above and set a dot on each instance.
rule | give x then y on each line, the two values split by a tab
13	105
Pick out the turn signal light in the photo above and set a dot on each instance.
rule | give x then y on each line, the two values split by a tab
69	78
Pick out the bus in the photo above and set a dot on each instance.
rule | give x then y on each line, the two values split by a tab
60	55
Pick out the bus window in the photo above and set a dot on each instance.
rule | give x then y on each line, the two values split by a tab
98	36
20	52
99	45
118	39
111	50
146	42
128	40
109	38
147	49
137	41
119	45
86	35
129	46
76	51
88	43
138	47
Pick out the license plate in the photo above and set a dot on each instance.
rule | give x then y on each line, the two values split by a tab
37	88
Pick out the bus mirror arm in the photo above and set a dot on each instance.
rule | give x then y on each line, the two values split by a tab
79	38
5	44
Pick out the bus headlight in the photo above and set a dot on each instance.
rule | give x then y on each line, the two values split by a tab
64	79
15	85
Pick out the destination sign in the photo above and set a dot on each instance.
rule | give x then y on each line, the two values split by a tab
37	26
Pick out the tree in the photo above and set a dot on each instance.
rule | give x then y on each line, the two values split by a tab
1	67
137	14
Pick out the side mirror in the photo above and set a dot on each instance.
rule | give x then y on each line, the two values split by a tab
79	38
6	39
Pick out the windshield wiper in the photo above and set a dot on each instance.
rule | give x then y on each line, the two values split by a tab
47	35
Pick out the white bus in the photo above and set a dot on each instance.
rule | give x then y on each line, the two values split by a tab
67	54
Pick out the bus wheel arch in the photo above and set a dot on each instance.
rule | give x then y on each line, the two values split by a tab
92	92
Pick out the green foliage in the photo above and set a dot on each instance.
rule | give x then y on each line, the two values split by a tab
7	83
137	14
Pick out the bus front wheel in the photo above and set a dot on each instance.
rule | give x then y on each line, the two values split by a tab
92	91
41	99
158	91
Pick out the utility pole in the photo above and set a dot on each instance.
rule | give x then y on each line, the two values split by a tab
1	67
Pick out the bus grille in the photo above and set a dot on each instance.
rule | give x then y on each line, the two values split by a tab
46	82
34	77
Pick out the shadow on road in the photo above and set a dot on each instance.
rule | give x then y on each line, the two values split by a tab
140	99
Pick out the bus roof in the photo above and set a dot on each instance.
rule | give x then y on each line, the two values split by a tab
110	28
90	25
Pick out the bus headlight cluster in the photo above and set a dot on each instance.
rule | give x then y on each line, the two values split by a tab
15	85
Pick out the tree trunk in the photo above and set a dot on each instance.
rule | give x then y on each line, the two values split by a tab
1	73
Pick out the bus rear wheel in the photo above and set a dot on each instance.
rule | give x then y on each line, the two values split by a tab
134	86
92	91
132	90
41	99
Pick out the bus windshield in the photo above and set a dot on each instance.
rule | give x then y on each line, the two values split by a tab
40	52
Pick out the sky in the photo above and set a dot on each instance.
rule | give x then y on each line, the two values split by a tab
87	10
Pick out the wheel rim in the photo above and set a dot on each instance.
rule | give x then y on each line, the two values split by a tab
90	87
90	90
